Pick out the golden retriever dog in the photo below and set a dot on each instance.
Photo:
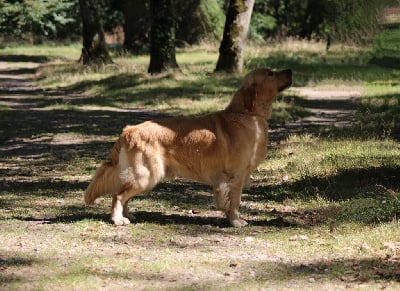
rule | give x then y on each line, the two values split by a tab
220	149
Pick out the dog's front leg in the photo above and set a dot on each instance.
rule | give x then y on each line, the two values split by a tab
227	193
233	211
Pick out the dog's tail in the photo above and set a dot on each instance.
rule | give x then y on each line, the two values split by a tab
106	179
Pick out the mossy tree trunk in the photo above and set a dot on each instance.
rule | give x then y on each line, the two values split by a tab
235	33
162	37
94	49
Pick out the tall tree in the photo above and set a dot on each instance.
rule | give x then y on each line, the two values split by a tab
94	45
162	37
235	33
136	27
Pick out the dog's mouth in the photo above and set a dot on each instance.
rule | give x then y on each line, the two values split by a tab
287	76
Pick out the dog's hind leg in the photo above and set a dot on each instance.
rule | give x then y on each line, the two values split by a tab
125	212
119	208
139	172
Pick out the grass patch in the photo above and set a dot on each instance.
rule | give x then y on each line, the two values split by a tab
39	53
194	90
380	113
328	175
323	207
379	110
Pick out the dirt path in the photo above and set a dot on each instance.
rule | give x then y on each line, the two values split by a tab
17	85
30	126
329	107
332	107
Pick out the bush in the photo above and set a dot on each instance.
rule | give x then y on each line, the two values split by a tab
198	19
370	210
35	21
353	21
261	26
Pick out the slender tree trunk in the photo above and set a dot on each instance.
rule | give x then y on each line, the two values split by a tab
235	33
94	45
226	5
136	27
162	37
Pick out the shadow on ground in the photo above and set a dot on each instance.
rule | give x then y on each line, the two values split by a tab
352	271
24	58
33	156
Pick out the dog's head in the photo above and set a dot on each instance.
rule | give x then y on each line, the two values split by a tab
258	90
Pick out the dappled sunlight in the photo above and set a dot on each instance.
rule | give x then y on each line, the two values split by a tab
322	209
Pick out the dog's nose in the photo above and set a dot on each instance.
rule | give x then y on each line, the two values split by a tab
286	78
288	73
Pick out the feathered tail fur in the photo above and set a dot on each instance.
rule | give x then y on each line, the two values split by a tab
106	179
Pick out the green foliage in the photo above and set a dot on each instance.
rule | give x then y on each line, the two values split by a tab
111	13
351	21
335	20
34	20
213	17
387	43
261	25
277	17
198	19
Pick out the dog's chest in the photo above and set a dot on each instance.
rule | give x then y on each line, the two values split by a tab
259	147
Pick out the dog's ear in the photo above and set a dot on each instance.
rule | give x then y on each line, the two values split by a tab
249	97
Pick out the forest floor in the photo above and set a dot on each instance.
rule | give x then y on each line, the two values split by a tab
178	241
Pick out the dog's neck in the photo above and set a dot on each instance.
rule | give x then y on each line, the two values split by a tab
242	103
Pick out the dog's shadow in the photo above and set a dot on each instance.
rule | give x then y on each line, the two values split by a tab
184	219
155	217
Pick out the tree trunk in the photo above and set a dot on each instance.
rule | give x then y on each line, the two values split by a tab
162	37
136	27
235	33
314	16
94	49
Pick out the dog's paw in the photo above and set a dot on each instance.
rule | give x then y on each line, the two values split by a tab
120	221
238	222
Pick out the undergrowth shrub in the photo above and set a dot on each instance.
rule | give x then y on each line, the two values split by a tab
370	209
